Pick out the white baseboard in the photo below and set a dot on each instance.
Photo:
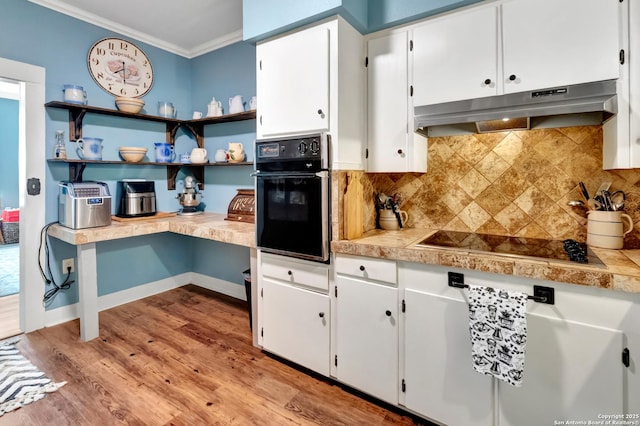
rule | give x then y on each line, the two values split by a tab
219	286
70	312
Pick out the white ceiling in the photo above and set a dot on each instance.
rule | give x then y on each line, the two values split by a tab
187	28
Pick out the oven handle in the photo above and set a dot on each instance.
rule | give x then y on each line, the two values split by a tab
320	174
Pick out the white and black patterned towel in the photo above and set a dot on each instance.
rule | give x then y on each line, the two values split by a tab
498	326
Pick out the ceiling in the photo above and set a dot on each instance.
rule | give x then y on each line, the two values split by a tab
187	28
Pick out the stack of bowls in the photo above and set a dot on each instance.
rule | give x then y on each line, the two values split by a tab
132	154
133	105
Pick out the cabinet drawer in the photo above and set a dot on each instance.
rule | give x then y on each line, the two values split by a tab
307	274
367	267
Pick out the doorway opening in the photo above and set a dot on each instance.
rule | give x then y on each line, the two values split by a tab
9	206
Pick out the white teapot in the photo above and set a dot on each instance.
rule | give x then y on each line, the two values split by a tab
198	156
215	108
220	156
236	104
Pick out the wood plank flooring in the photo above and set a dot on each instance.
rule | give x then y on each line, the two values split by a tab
183	357
9	316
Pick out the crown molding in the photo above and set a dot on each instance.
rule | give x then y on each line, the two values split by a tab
94	19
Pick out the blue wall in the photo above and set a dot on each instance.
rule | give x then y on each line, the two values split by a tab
9	158
36	35
265	18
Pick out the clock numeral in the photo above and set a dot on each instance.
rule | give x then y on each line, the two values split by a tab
100	51
124	46
95	61
100	75
111	45
123	91
137	91
110	85
135	52
144	84
145	63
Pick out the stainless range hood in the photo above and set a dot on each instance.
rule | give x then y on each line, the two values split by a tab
596	100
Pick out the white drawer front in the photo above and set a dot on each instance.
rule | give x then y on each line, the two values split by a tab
307	274
367	267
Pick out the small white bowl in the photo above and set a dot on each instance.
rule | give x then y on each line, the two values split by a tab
132	105
132	154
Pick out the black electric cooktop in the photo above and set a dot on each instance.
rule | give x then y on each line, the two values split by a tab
557	250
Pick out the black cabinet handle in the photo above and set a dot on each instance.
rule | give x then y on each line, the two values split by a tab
319	112
512	77
487	81
388	313
362	267
289	273
400	151
321	314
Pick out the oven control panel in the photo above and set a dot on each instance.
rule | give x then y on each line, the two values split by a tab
298	149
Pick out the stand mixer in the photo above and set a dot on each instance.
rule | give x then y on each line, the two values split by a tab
188	198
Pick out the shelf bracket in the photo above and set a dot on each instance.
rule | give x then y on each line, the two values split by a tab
172	173
75	123
75	171
198	130
172	129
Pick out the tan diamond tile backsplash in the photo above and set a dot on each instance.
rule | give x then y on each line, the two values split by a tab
510	183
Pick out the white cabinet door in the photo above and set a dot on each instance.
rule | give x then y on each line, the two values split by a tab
388	118
440	380
295	325
293	83
549	43
455	57
367	337
572	371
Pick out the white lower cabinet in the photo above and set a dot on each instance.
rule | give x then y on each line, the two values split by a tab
440	382
573	362
294	317
366	355
572	372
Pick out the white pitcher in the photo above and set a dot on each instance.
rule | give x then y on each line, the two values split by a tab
236	104
198	156
236	152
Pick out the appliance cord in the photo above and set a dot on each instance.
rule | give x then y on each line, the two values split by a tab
47	274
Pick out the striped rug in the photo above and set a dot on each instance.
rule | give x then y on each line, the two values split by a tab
21	383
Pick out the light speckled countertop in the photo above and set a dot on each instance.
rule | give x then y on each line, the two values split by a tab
622	270
211	226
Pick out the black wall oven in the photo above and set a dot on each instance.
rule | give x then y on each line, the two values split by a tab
293	196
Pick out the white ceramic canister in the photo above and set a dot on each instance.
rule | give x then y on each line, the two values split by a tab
605	229
389	220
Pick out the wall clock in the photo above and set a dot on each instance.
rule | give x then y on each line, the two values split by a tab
120	67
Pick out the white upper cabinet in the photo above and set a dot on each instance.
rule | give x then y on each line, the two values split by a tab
549	43
293	83
313	80
392	145
455	57
515	46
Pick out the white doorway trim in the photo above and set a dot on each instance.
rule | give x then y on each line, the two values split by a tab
32	161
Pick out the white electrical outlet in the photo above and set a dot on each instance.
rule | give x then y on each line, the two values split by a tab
68	263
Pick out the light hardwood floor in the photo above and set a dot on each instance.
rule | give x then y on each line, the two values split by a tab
9	316
183	357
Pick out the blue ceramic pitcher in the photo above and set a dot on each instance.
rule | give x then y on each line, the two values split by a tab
164	152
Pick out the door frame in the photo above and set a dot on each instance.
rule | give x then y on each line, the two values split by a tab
32	164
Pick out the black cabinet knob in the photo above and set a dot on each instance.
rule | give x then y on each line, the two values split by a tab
319	112
487	81
512	77
321	314
289	273
400	151
388	313
362	267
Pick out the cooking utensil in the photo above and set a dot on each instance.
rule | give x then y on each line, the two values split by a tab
617	200
606	200
576	203
584	191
